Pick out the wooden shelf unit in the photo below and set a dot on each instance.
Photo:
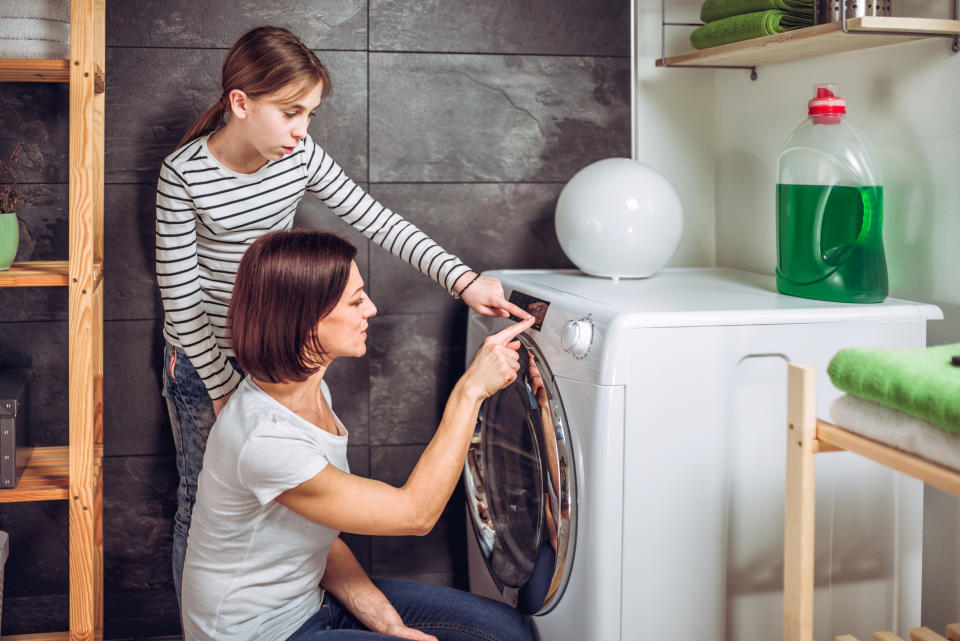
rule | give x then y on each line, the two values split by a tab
815	41
808	436
74	472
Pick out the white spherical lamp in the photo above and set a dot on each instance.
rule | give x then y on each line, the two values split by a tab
619	218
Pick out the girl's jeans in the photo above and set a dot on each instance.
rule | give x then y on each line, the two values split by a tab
446	613
191	417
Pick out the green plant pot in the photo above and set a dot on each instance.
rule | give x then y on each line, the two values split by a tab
9	239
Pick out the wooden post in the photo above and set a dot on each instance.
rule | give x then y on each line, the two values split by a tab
798	541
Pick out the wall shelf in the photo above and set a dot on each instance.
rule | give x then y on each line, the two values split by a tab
816	41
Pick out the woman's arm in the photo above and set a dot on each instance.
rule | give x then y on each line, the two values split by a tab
178	275
400	237
364	506
346	580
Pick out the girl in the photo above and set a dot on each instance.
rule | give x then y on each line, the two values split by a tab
228	184
264	560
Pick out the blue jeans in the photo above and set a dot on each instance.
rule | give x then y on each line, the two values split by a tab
446	613
191	417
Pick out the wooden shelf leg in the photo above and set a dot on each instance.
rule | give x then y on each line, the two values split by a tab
800	504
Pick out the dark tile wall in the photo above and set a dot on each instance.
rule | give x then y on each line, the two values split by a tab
466	117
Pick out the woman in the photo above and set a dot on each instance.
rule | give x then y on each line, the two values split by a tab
264	560
240	172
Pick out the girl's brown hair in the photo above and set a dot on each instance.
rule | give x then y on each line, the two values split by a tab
264	60
286	283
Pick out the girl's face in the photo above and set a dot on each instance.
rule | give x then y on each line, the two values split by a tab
343	332
277	122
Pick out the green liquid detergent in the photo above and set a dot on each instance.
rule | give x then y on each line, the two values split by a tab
829	209
830	243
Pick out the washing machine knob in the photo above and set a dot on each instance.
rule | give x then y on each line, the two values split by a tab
577	337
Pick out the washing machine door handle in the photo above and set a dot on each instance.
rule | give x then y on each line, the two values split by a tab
521	487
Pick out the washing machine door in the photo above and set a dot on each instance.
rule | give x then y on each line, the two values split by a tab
521	487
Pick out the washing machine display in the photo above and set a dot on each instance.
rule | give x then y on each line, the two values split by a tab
521	488
536	307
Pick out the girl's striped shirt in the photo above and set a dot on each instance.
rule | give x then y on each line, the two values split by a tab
207	216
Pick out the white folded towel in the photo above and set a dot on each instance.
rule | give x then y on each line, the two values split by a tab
893	427
34	49
44	9
34	29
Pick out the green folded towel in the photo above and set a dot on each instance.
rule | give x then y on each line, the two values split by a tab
919	382
717	9
746	26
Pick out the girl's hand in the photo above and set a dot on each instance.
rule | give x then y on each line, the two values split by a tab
485	296
218	403
496	364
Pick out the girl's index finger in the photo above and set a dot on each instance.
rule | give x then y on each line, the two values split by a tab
509	333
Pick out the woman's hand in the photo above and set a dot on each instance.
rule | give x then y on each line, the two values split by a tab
496	364
485	296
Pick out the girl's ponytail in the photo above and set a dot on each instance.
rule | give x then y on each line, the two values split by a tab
207	123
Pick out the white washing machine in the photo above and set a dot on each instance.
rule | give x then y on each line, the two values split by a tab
630	484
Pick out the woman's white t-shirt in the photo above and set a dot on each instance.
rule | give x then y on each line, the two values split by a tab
253	567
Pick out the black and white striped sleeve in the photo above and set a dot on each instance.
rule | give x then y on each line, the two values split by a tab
388	229
178	276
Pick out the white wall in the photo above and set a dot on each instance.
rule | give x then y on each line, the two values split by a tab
716	136
906	97
675	129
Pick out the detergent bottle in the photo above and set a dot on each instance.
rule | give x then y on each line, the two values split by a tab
829	209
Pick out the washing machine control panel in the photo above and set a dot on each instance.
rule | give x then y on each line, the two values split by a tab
576	337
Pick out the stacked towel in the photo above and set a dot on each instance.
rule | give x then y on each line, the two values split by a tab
918	382
35	29
734	20
893	427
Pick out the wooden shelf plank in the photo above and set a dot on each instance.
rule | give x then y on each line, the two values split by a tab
927	471
47	476
48	636
43	273
816	41
25	70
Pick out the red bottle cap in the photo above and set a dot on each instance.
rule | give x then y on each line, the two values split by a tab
826	107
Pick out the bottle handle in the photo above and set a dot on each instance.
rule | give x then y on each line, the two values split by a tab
834	257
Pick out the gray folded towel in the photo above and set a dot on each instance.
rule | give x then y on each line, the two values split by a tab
58	10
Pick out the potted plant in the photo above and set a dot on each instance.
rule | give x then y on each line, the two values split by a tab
11	198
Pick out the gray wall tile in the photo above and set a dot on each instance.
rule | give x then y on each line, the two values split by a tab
134	412
433	557
568	27
139	502
415	359
130	281
488	226
331	24
482	118
35	614
36	113
156	94
41	348
44	235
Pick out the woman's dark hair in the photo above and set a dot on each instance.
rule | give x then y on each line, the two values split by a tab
287	282
264	60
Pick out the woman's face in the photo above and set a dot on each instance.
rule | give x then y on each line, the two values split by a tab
343	332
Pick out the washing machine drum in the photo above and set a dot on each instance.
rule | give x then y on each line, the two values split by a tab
521	487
